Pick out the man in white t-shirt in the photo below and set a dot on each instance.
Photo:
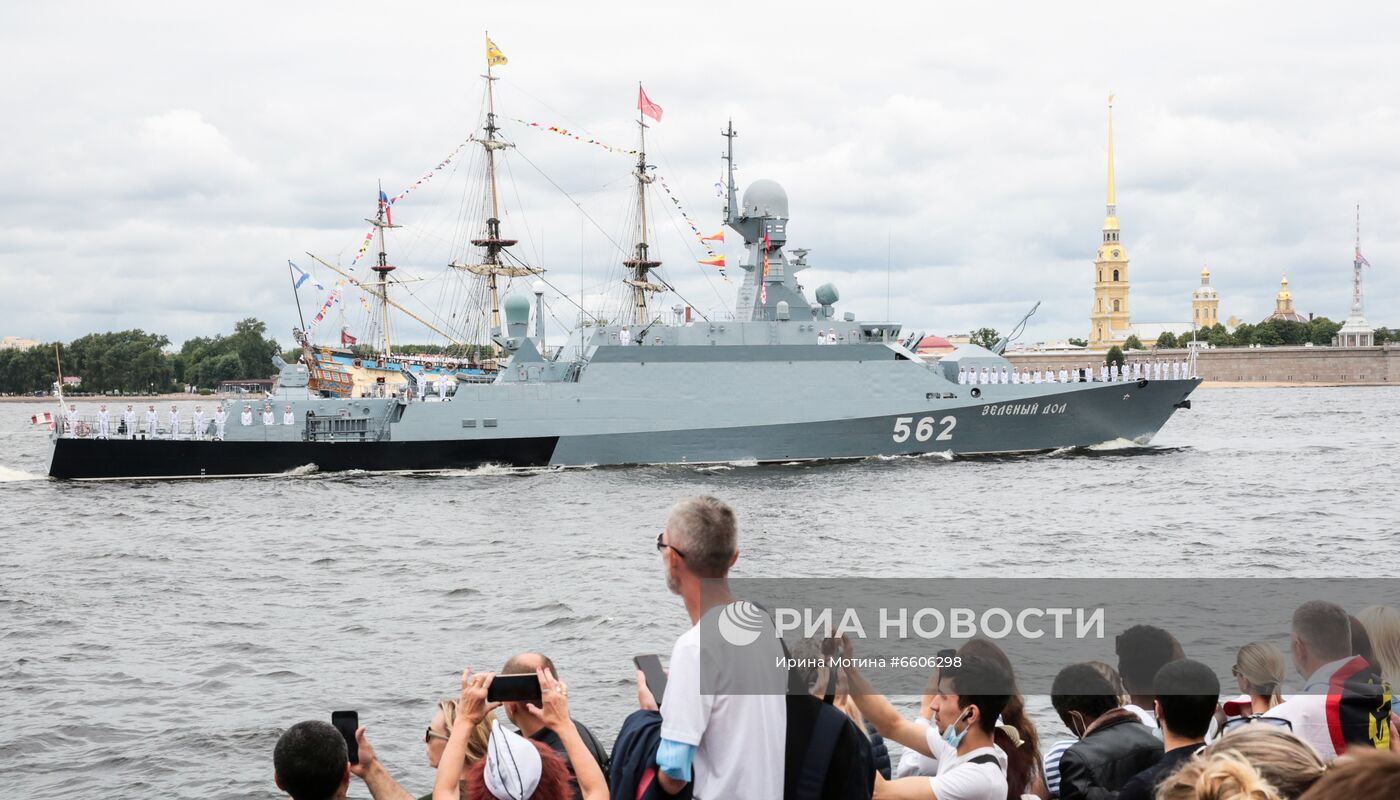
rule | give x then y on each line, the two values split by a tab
718	732
970	698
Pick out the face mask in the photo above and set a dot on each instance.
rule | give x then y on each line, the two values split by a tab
951	735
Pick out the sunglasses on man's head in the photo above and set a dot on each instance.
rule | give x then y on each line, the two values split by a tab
661	545
1239	722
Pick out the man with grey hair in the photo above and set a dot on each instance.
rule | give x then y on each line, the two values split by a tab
1335	676
724	714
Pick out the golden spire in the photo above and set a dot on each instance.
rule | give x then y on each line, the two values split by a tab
1205	274
1112	196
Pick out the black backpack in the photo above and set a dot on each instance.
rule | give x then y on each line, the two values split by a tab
828	757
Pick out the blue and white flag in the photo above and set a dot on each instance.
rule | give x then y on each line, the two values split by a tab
303	276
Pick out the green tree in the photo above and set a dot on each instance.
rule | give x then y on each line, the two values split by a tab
1167	341
986	337
1384	335
1243	335
1079	342
28	370
125	361
223	367
1267	334
253	348
1114	356
1133	343
1322	330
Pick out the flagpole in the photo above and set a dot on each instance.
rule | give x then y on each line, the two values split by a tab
295	295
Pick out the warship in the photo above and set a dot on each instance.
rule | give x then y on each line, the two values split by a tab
782	379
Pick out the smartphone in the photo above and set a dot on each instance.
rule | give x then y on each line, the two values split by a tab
521	688
650	665
347	722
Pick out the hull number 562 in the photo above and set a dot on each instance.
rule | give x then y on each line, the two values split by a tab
904	427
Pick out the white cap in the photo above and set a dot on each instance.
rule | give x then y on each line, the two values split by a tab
513	765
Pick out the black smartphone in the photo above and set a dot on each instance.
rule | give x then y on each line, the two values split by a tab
521	688
650	665
347	722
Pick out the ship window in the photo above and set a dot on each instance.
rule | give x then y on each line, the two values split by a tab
1115	305
468	423
1115	280
489	422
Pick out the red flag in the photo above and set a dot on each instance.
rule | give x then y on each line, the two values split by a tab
645	105
345	338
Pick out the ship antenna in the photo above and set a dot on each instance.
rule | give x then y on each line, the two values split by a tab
731	209
382	220
641	262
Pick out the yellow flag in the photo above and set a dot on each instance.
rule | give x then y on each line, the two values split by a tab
494	56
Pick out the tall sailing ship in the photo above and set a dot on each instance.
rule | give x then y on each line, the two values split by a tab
781	379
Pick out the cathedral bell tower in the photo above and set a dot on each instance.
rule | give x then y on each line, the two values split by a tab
1108	320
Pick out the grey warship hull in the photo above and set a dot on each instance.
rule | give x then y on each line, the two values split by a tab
639	405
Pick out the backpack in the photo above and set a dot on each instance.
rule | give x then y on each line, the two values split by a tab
828	757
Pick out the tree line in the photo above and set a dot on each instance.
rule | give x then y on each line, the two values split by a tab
137	362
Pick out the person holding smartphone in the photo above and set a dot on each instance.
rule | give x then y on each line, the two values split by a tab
516	768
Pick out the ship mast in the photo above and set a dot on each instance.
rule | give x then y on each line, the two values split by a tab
641	262
382	268
491	266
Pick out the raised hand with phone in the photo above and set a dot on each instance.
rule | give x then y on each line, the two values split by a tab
553	712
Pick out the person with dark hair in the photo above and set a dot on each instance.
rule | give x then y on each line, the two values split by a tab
1113	744
1141	651
311	762
532	727
971	766
1016	733
1188	694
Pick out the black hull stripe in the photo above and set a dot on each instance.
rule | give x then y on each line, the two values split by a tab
78	459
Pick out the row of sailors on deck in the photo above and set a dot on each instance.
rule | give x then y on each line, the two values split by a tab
1107	373
101	425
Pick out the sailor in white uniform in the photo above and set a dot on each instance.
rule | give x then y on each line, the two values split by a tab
624	337
288	418
220	420
984	377
267	418
1063	377
199	425
129	420
421	379
1186	369
1016	376
442	387
1005	375
104	422
152	422
245	417
70	420
175	422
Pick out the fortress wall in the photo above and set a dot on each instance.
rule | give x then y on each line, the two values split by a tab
1265	364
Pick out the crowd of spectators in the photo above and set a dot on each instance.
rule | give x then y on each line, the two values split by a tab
1156	724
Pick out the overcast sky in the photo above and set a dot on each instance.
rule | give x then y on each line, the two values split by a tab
164	160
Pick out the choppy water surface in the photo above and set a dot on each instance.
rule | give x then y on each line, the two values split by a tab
155	637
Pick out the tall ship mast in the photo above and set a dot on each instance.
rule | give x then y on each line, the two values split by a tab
379	317
640	262
495	261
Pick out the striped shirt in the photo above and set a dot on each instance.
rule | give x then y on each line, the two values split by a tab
1052	764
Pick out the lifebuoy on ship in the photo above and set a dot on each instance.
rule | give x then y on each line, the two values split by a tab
357	363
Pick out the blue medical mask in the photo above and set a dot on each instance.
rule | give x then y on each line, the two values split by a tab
951	735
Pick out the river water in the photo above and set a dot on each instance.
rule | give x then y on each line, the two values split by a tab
156	637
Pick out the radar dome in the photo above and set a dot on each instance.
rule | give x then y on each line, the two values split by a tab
517	310
765	198
827	294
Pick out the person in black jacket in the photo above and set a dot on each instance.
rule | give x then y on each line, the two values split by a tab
1113	744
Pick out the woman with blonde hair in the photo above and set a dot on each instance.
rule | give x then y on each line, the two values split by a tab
1256	762
1259	669
1382	624
440	731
